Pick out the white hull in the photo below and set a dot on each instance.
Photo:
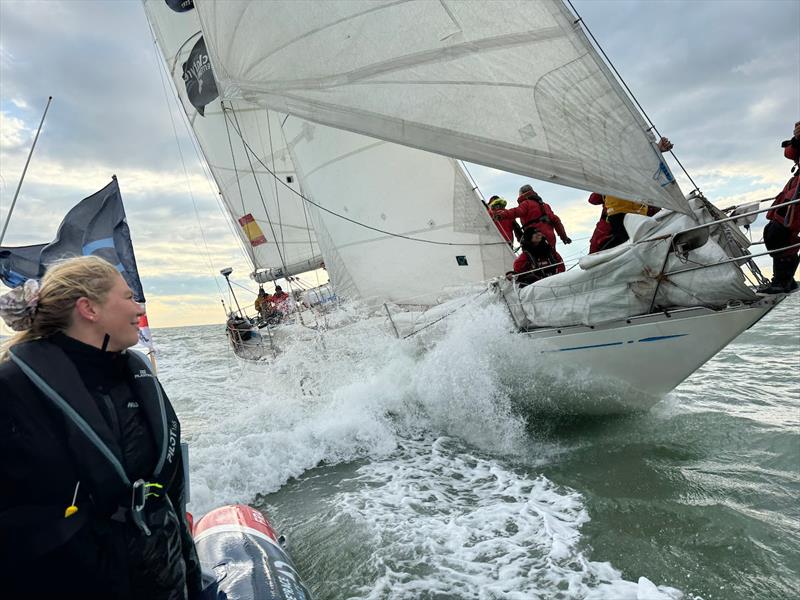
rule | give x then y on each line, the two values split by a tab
650	354
617	366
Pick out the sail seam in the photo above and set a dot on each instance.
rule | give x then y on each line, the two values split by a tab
444	54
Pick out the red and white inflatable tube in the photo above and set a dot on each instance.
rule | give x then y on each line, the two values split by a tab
241	548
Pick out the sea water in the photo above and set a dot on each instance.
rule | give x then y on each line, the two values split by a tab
422	469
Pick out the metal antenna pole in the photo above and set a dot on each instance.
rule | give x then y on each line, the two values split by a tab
27	162
226	273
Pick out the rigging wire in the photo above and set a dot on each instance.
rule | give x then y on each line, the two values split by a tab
248	151
239	183
274	179
475	187
209	177
627	89
443	317
364	225
244	287
160	68
735	206
225	210
302	204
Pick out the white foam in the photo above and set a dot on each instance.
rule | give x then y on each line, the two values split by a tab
353	393
358	392
442	520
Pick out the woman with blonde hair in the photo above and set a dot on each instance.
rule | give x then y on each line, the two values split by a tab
91	502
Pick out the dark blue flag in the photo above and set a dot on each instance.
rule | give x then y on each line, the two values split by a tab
95	226
180	5
201	88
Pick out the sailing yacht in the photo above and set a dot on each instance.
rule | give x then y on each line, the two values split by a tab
356	114
391	224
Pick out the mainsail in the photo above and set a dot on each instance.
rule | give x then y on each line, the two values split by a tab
269	215
514	85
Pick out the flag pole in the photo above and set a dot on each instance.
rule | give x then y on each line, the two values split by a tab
152	357
27	162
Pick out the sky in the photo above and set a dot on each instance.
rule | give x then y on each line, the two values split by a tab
720	78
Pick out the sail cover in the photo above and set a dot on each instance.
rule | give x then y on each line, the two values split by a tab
512	84
267	212
413	226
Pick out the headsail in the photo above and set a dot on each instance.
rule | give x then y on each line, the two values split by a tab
514	85
413	225
269	216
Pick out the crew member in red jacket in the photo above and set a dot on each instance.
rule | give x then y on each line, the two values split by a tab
783	228
508	228
537	260
609	232
534	213
602	231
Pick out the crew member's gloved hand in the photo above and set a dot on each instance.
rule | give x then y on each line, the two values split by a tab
566	240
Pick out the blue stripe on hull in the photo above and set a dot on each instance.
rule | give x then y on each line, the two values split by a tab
657	338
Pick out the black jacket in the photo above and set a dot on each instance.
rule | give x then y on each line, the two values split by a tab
57	433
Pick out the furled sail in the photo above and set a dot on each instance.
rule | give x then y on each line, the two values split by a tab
269	216
414	226
511	84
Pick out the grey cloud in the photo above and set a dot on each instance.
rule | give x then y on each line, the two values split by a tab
699	69
97	60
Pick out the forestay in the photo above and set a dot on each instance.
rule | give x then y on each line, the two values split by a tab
514	85
278	235
414	226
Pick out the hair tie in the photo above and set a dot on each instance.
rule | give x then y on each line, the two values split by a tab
18	307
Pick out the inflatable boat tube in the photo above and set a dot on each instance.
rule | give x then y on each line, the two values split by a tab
241	548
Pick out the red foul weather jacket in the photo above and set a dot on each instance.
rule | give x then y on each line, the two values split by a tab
525	262
538	215
788	216
602	231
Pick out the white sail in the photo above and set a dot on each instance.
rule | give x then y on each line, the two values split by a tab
288	245
434	233
512	84
413	224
